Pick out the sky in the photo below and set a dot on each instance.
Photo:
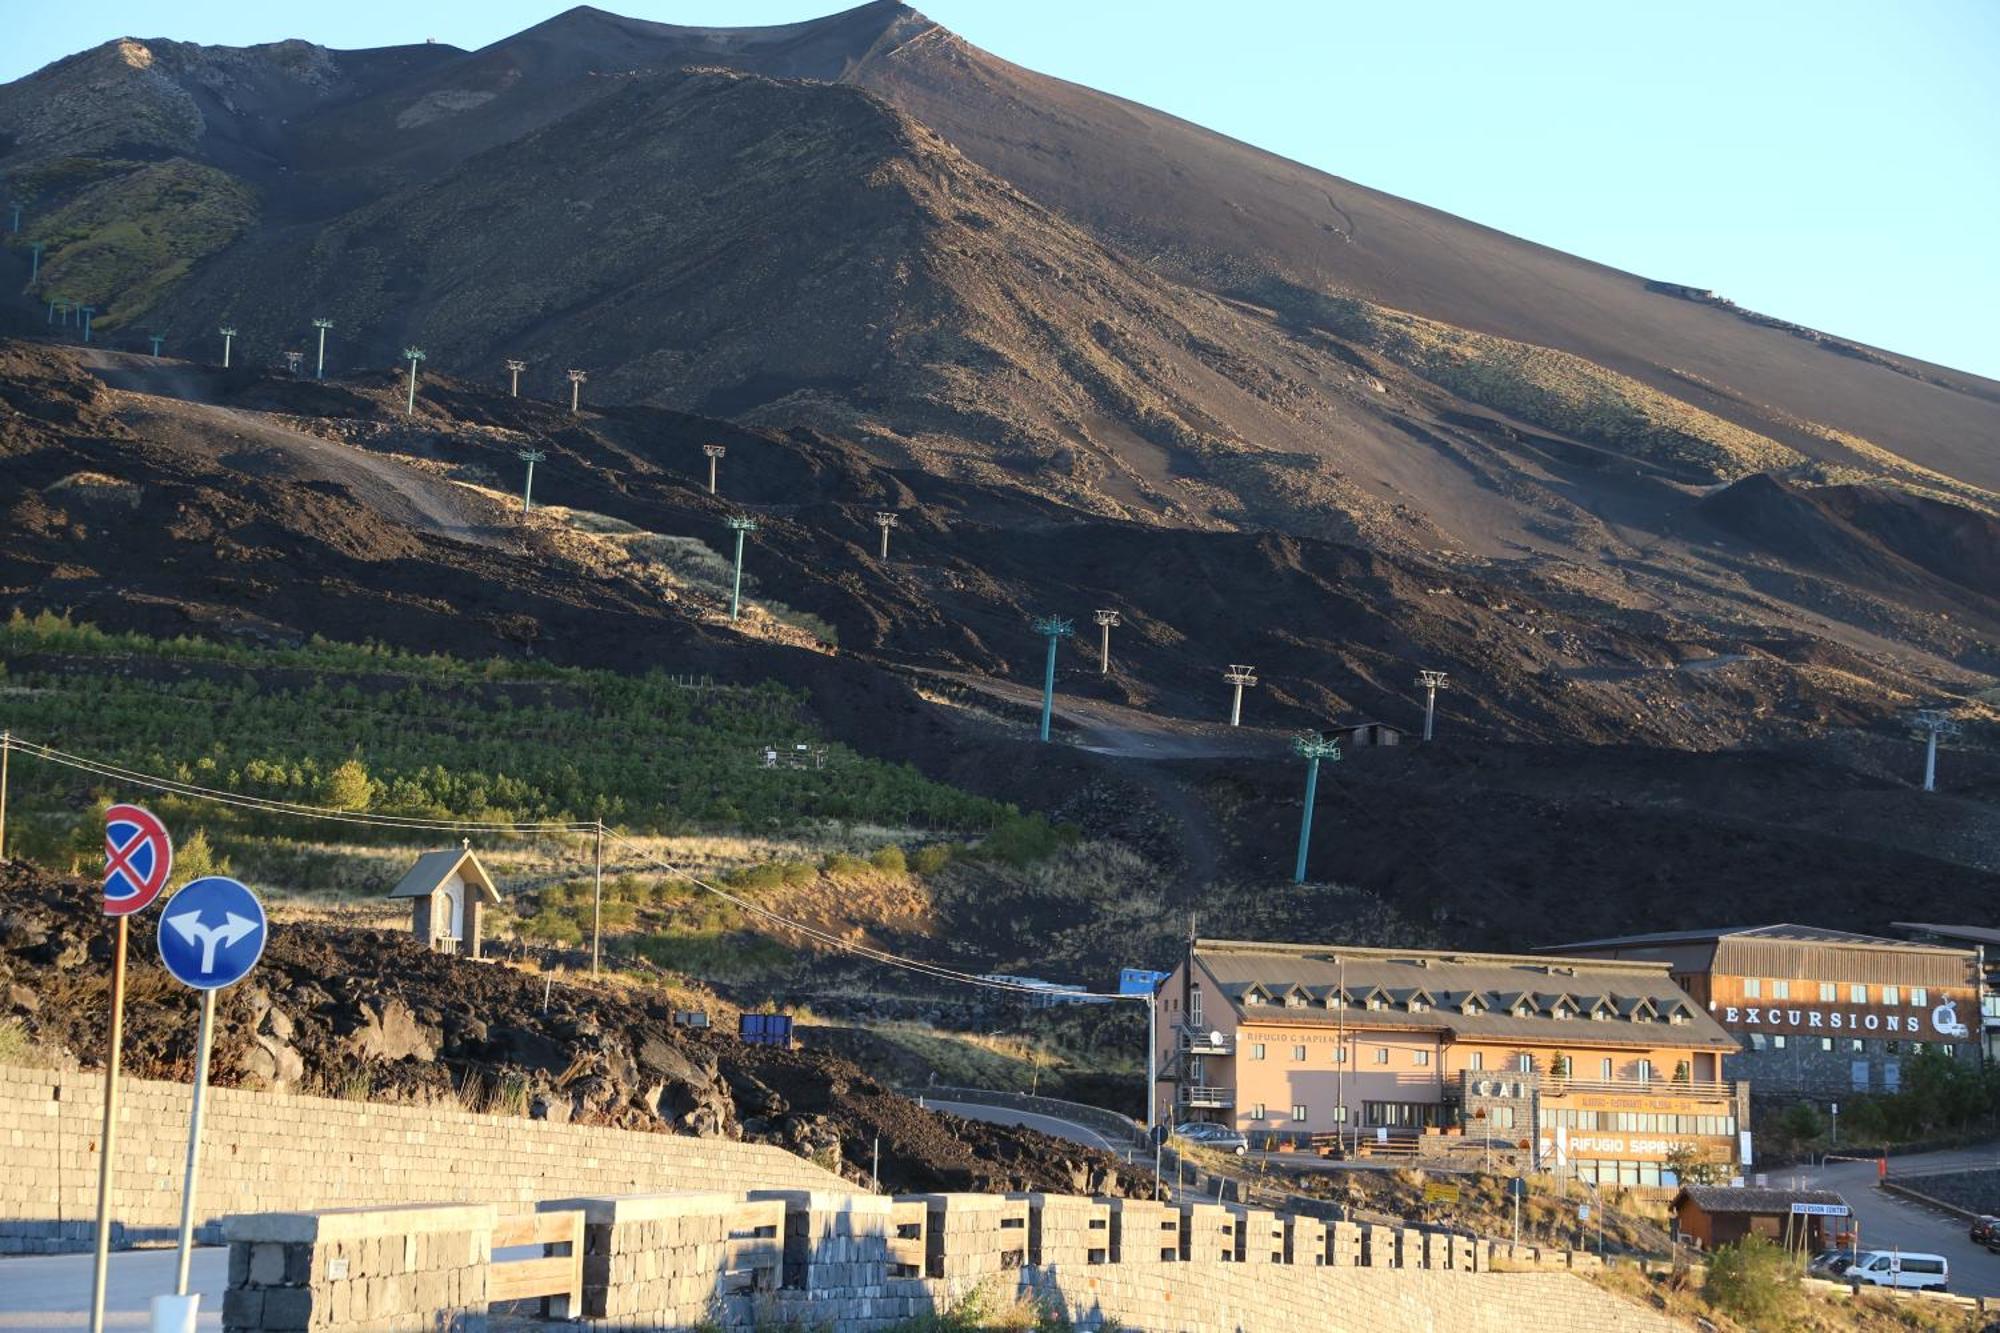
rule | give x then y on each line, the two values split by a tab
1831	162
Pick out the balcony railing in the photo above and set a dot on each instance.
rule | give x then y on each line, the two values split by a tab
1206	1041
1552	1086
1204	1097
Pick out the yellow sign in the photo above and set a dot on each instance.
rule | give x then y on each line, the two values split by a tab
1435	1193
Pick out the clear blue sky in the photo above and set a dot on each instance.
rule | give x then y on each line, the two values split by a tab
1833	162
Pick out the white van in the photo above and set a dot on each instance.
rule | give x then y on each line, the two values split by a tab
1891	1268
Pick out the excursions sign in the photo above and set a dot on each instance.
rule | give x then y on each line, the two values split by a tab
1939	1020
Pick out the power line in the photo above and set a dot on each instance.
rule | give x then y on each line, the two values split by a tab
302	811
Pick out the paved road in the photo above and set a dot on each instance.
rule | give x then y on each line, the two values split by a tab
53	1291
1047	1124
1888	1221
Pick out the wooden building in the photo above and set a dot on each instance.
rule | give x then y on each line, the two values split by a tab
449	892
1600	1070
1819	1012
1713	1215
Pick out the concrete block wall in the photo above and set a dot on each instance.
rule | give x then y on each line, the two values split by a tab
1064	1229
973	1236
1307	1241
1343	1245
379	1268
1260	1236
264	1152
1208	1234
677	1258
1143	1231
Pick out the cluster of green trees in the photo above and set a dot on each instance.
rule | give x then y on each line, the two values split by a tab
1940	1097
369	729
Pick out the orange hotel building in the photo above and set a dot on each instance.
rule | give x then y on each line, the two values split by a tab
1600	1068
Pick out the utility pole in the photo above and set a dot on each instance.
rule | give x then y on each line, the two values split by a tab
597	901
1105	618
6	748
1932	724
1312	748
1055	629
35	261
530	457
741	524
576	379
885	520
715	453
413	355
514	369
1239	676
156	339
319	365
228	334
1432	682
86	311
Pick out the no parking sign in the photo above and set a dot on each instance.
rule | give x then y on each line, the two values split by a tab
138	858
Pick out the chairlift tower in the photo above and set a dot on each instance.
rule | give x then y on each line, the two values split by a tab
412	355
1105	618
530	457
15	204
293	360
740	524
1432	682
576	379
1311	747
885	520
1238	676
1055	629
86	311
1932	725
715	453
156	339
228	335
35	261
319	363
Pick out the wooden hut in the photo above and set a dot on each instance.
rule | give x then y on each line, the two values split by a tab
449	892
1712	1215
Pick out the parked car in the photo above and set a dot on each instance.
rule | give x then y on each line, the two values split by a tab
1985	1230
1890	1268
1220	1137
1829	1263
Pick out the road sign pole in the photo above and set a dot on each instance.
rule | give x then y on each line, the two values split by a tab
107	1140
201	1043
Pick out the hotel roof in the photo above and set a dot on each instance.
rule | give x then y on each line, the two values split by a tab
1468	995
1784	932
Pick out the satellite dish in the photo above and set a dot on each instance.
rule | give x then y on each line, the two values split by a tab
1215	1037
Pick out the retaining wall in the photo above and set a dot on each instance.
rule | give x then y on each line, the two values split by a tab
264	1152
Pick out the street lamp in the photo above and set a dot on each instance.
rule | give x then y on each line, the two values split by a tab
1055	629
741	524
412	355
1311	747
319	366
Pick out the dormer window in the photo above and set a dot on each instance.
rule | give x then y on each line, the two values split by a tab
1377	1002
1642	1016
1600	1014
1419	1005
1472	1005
1295	1001
1524	1010
1678	1017
1560	1011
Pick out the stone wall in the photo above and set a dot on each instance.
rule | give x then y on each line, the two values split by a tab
264	1152
802	1258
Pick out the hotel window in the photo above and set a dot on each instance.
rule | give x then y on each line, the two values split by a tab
1560	1011
1645	1071
1524	1063
1892	995
1500	1117
1600	1014
1857	994
1257	1051
1418	1005
1295	1001
1753	988
1949	1048
1377	1002
1194	1005
1919	995
1604	1070
1826	1043
1298	1111
1757	1041
1476	1060
1781	990
1828	992
1856	1045
1340	1055
1381	1055
1420	1057
1778	1042
1298	1055
1257	1111
1893	1046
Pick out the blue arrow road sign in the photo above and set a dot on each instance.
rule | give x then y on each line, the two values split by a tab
212	933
